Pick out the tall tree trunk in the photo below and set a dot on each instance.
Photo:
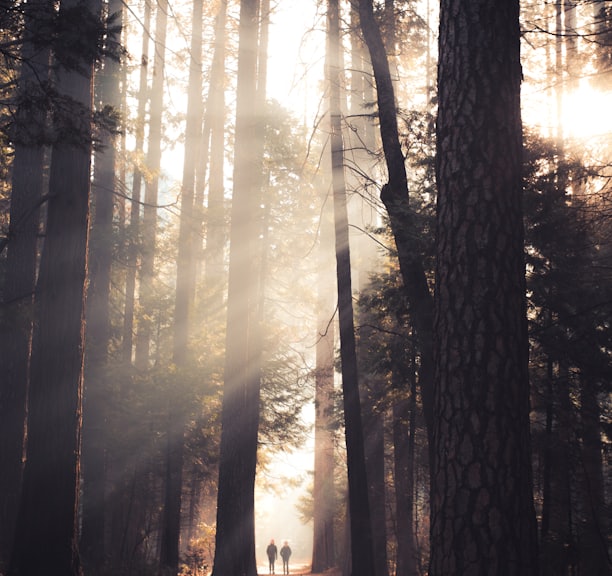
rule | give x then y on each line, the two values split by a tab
394	196
374	434
594	557
558	545
361	529
134	227
573	64
46	535
361	213
323	548
482	517
215	119
404	409
21	259
547	453
127	480
235	537
98	331
149	220
559	71
185	288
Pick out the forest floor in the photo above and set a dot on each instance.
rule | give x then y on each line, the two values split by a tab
301	570
331	572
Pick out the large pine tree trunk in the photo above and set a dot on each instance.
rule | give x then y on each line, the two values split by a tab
483	520
21	260
46	536
235	537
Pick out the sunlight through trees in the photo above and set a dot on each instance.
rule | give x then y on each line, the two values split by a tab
186	376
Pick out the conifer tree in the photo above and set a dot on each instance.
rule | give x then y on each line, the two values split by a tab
235	536
27	194
52	466
482	518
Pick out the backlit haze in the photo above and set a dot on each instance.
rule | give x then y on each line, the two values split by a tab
295	73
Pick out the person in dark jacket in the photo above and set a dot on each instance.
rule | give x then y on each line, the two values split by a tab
285	552
272	552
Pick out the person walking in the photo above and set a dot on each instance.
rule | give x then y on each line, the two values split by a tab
285	552
272	552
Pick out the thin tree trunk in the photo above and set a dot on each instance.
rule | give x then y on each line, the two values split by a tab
185	288
361	529
594	557
134	228
374	434
46	536
98	332
558	543
360	212
559	71
20	269
323	550
394	196
547	456
404	409
215	119
149	220
125	474
195	489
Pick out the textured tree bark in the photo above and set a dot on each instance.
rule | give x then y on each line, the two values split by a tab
483	520
21	260
48	508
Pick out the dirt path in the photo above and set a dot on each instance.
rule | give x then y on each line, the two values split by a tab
302	570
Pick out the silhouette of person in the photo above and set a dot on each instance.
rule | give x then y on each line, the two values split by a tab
285	552
272	552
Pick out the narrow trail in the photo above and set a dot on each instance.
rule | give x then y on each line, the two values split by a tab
300	570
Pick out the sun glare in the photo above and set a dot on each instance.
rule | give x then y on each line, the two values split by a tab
586	112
